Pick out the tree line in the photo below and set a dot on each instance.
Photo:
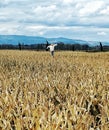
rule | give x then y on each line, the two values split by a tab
61	46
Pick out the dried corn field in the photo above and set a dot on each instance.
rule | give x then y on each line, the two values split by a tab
67	92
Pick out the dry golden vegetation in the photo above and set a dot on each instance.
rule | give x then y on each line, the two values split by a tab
67	92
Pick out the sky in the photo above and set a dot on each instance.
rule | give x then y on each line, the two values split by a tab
75	19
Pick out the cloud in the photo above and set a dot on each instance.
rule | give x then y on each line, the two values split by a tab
91	8
69	18
9	28
67	2
101	33
105	11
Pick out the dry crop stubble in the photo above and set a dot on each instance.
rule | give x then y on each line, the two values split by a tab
67	92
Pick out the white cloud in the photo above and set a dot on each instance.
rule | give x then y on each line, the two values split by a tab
105	11
67	1
91	8
101	33
8	28
71	18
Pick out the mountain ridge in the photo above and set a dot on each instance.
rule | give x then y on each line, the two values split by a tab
23	39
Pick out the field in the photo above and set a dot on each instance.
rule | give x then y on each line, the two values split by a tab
67	92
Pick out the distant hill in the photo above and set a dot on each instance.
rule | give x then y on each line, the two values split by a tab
15	39
67	41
